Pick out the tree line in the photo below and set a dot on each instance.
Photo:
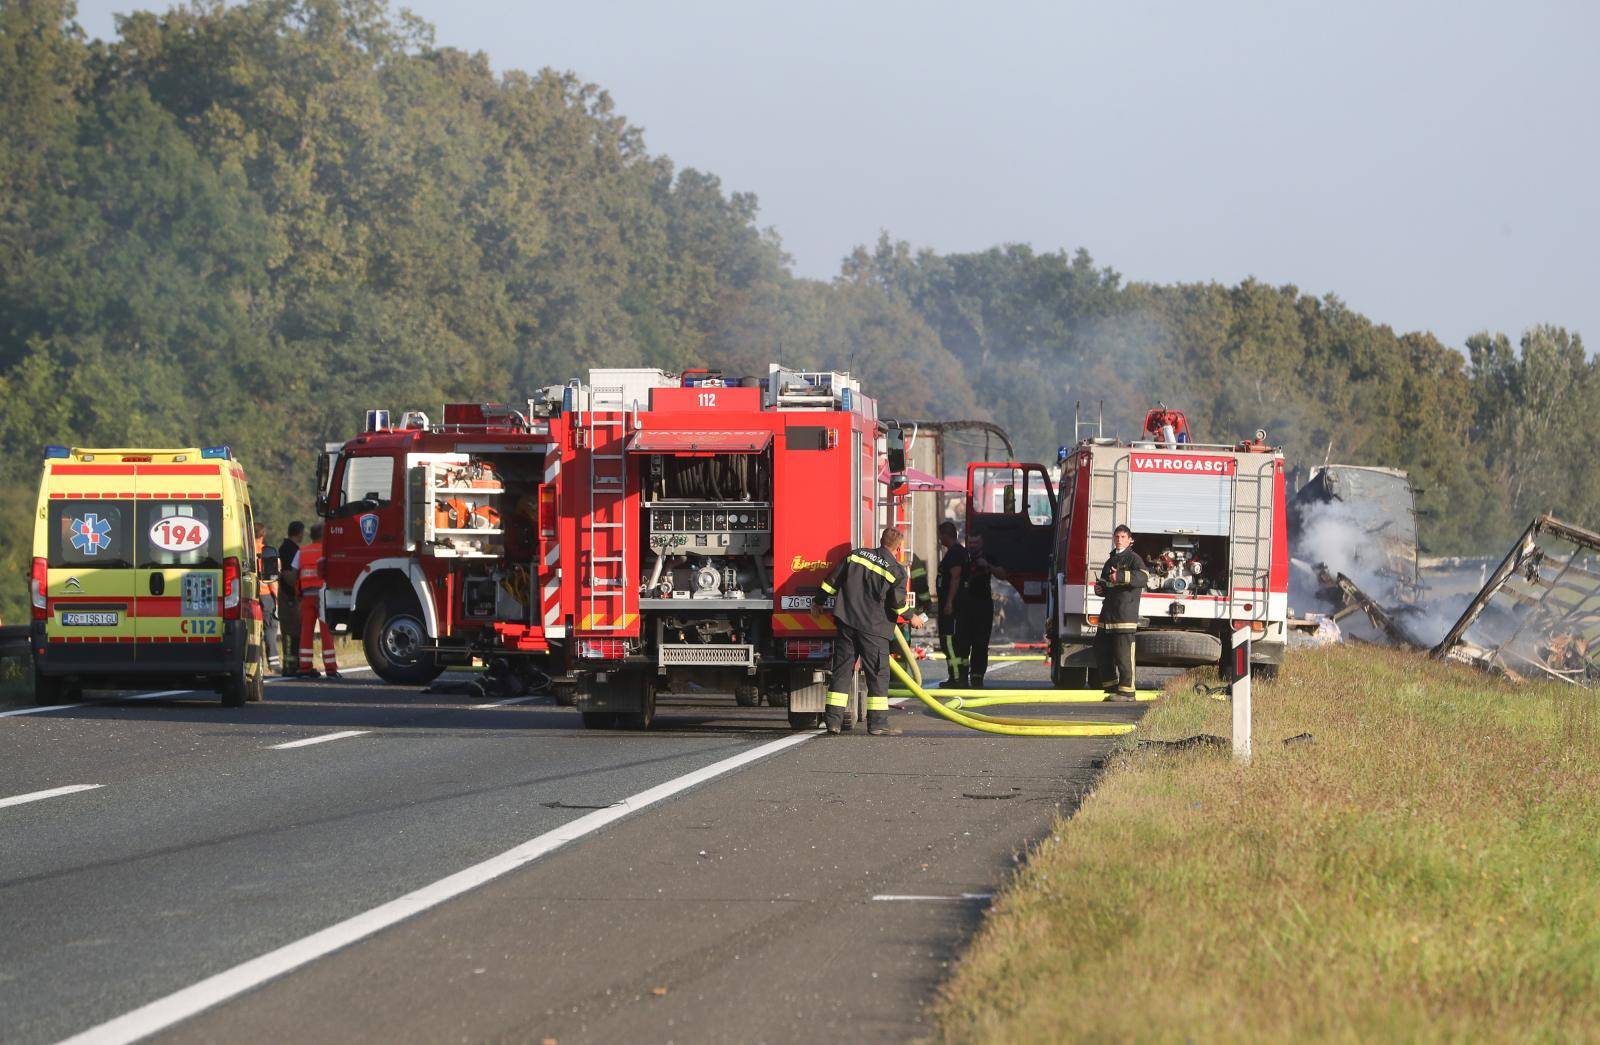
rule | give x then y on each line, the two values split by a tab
246	224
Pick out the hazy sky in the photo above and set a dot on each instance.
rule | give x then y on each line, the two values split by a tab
1434	164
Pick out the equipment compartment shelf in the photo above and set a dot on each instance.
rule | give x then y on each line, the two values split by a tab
489	491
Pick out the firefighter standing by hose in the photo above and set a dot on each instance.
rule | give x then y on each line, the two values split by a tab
869	590
974	624
1121	583
946	591
309	581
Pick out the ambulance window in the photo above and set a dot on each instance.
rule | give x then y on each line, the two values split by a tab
367	479
180	533
91	533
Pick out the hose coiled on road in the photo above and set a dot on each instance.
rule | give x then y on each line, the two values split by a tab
1009	727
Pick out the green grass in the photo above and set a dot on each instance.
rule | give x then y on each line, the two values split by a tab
1428	868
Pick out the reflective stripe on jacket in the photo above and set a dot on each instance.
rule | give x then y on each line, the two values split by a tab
869	590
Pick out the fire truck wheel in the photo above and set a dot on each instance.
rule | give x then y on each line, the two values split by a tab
747	695
393	641
1264	672
804	720
645	717
599	720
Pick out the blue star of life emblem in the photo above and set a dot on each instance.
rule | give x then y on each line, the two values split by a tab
91	533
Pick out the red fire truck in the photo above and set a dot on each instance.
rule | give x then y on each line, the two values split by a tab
640	533
1209	521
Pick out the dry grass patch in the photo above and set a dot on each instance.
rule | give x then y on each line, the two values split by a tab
1428	868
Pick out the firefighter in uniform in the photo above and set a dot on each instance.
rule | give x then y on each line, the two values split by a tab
289	601
946	590
1121	583
869	590
974	623
309	582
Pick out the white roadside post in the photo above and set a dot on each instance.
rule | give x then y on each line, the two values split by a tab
1239	693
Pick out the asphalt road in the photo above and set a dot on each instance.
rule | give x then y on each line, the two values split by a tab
739	909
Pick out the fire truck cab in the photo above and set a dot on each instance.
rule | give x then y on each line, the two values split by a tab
1209	522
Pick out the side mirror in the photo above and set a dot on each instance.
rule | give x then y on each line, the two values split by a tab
322	505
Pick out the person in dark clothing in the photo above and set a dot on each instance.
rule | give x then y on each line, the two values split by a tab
974	623
1121	583
947	587
289	601
869	590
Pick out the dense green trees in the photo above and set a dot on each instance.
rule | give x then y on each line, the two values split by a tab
246	223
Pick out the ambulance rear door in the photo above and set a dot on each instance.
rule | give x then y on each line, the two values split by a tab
89	514
179	543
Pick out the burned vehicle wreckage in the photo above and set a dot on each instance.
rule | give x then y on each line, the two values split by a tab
1536	615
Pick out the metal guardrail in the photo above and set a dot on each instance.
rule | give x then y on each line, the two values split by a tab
14	641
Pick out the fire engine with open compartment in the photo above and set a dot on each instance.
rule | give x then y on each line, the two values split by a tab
637	534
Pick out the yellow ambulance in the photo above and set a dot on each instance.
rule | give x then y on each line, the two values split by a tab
144	574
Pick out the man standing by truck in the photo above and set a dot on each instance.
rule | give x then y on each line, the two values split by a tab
289	601
869	590
974	624
310	582
946	590
1121	583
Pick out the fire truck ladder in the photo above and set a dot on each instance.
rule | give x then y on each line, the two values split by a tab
605	569
1250	534
1109	490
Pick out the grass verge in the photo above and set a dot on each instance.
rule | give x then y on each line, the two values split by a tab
1428	868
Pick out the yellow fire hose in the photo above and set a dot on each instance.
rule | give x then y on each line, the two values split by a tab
983	698
1010	727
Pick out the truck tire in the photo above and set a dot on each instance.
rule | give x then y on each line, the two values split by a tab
599	719
1264	672
645	717
1177	648
747	695
803	720
393	639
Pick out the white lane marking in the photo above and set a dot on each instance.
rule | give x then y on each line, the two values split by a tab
140	696
503	703
95	703
70	789
911	896
164	1012
319	740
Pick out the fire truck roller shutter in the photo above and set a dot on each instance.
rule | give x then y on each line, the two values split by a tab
665	442
1162	502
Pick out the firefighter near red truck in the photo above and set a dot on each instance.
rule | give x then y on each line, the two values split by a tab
636	534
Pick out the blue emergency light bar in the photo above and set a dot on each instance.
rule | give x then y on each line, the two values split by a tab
216	453
56	451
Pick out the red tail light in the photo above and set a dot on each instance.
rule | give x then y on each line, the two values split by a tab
230	588
603	649
39	589
808	649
